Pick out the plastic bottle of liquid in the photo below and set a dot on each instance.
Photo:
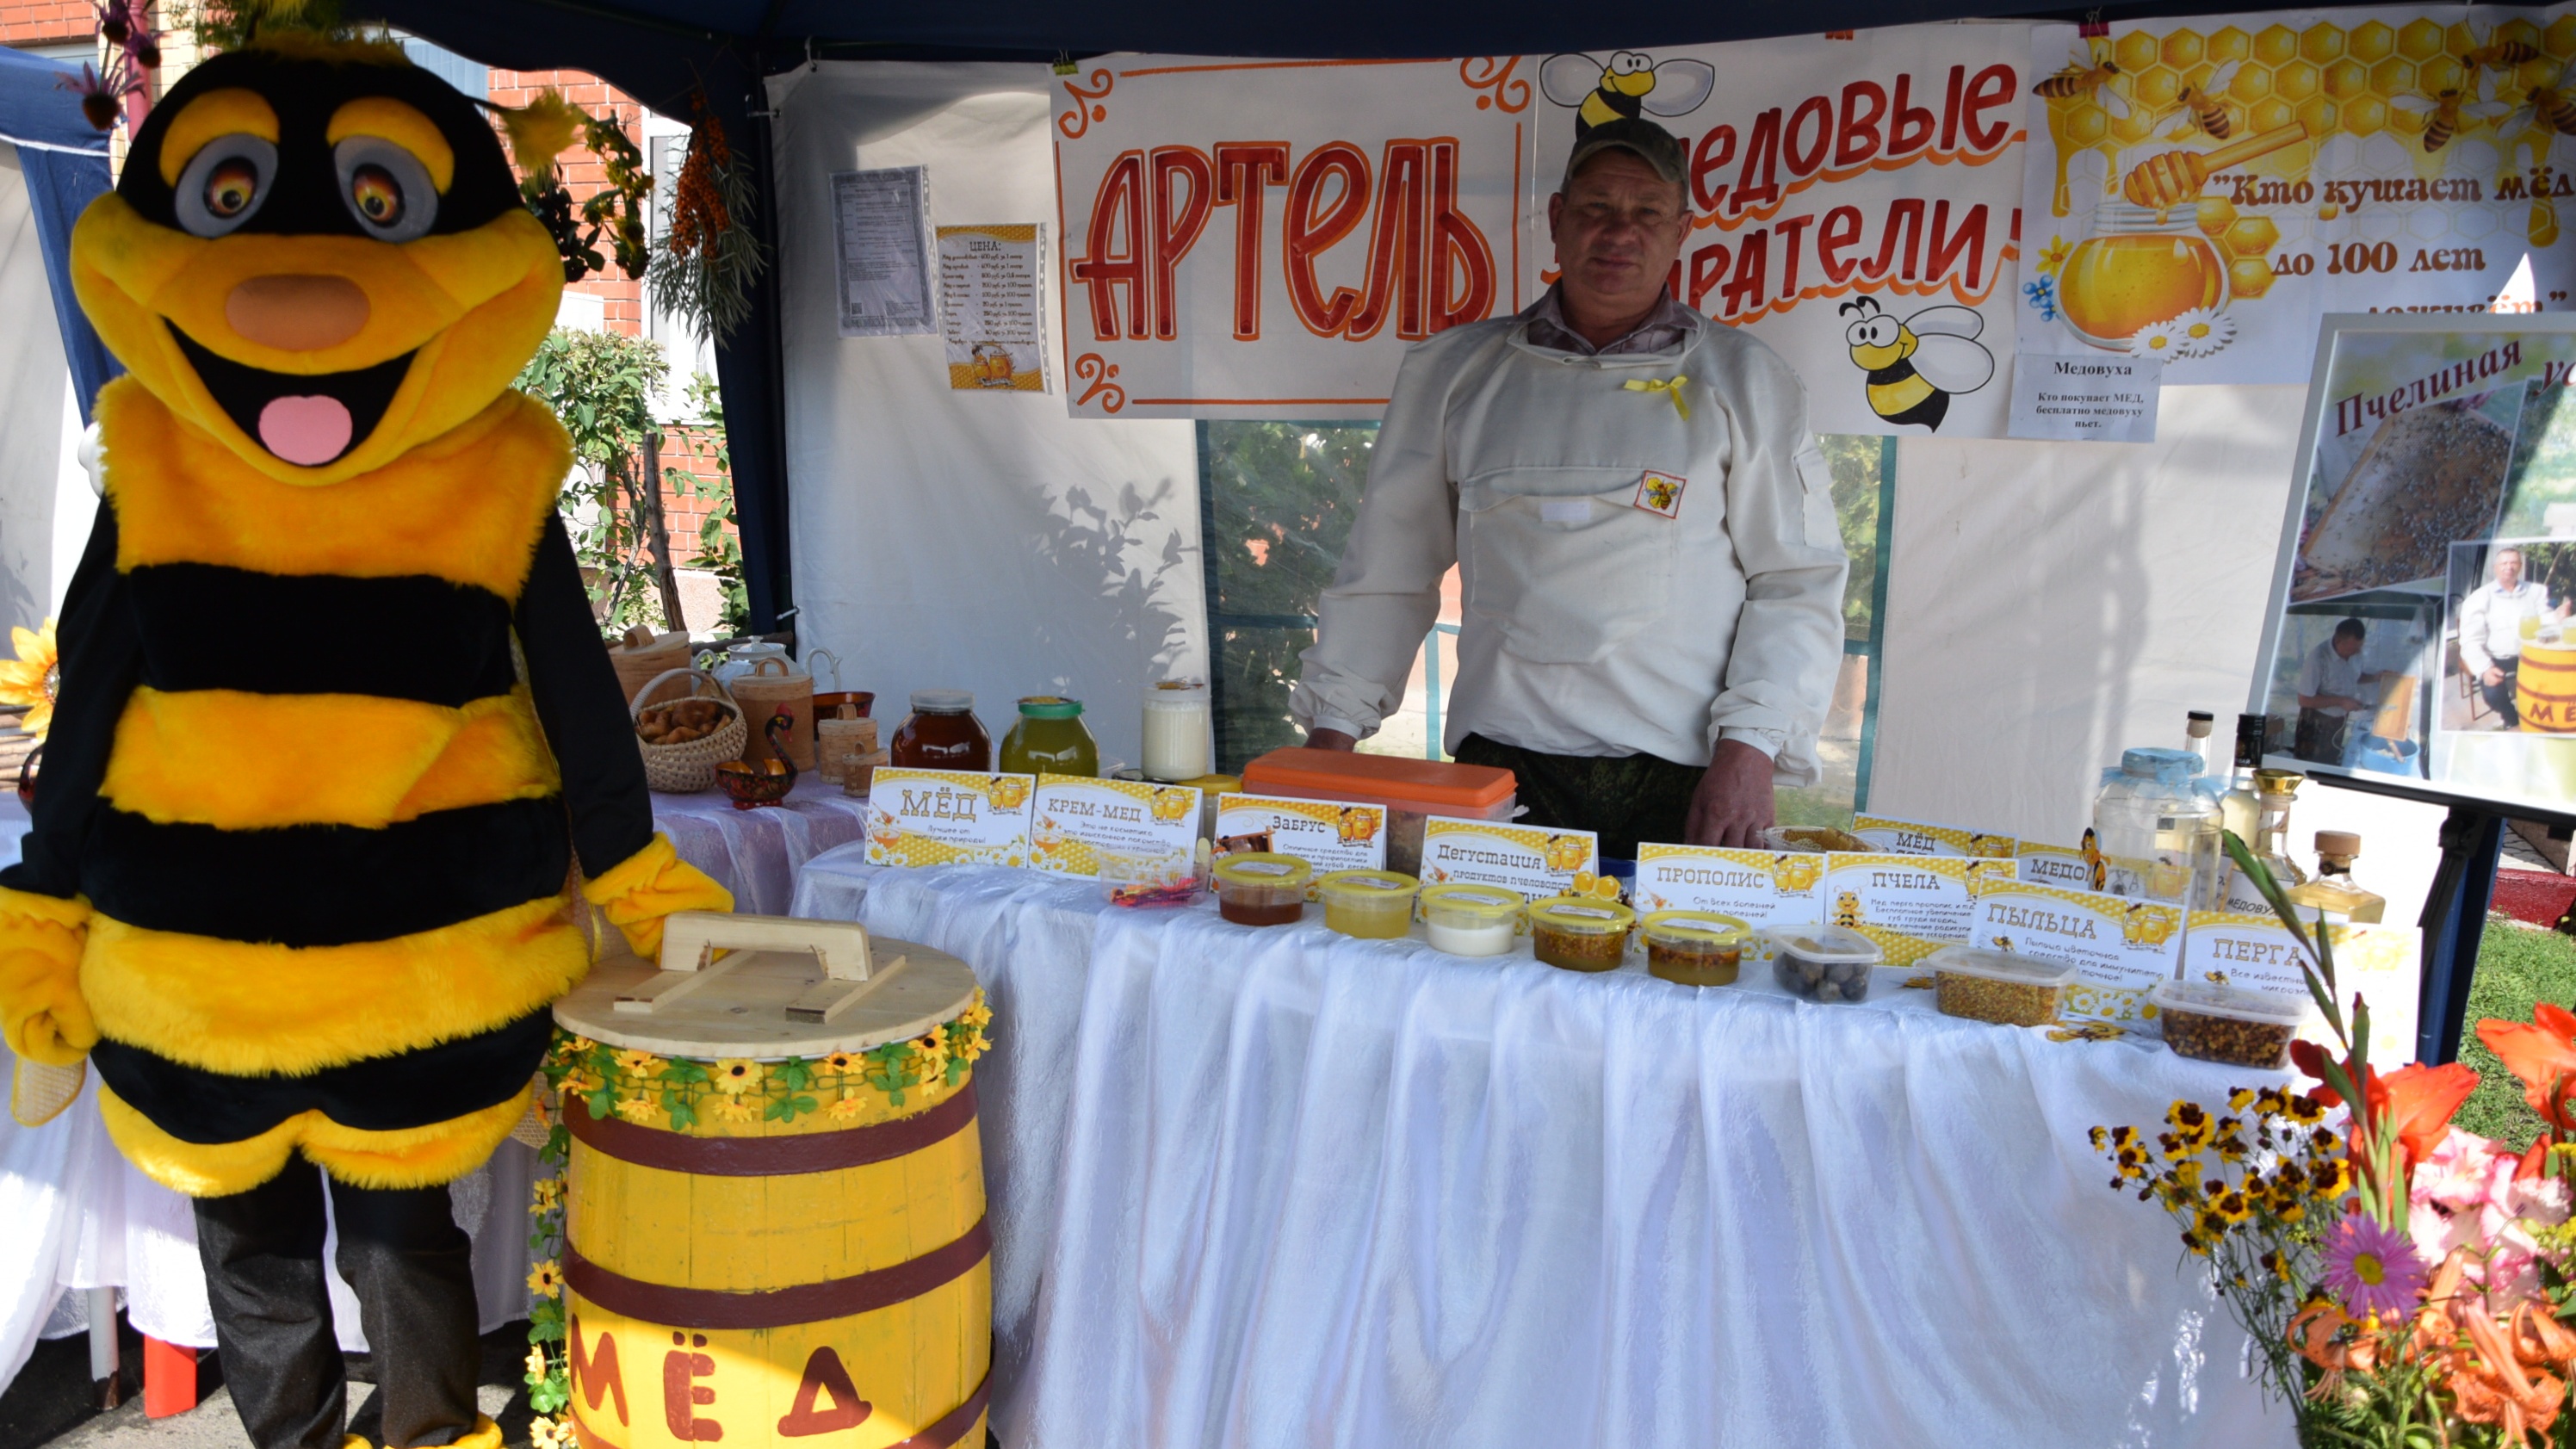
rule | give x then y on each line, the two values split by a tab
2238	808
2159	834
2334	891
2197	726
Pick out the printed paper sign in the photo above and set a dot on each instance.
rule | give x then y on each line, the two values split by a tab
1757	887
2122	946
2258	953
878	232
1536	862
988	308
1077	819
1914	837
2063	866
2086	399
2206	188
948	817
1329	835
1909	904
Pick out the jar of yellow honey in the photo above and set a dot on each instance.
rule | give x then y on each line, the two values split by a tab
2138	268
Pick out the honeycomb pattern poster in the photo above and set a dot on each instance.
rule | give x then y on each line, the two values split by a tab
2200	191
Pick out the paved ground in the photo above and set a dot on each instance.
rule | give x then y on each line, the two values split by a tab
50	1403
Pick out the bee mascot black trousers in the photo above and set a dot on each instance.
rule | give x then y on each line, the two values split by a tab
411	1265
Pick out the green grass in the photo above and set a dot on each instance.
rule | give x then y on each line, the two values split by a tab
2518	967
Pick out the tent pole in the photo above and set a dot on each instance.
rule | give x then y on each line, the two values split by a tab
2455	916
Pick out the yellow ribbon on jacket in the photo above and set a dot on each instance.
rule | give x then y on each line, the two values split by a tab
1670	387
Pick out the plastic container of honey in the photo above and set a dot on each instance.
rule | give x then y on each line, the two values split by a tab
1409	789
1581	933
1262	889
1374	905
1695	948
2138	268
1471	920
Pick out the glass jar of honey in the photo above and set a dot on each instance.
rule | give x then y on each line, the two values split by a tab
1050	739
942	734
2138	268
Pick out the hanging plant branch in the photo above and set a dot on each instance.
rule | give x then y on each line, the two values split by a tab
705	269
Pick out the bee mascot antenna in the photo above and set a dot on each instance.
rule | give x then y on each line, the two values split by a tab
335	719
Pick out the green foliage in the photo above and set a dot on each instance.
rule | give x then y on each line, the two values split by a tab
601	385
701	440
2518	968
1280	499
1856	462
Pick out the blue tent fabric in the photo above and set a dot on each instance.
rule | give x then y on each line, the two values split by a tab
65	165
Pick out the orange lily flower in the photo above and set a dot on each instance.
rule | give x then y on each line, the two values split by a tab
2539	1051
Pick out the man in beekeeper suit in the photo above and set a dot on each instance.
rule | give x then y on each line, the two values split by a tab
1645	532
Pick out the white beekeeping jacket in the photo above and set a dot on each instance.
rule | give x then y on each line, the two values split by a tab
1593	626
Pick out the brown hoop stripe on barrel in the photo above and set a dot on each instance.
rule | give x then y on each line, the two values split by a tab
953	1426
772	1156
776	1307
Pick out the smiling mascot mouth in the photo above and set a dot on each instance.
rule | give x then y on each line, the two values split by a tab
305	420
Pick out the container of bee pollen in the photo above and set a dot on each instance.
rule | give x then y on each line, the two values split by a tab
1998	986
1695	948
2216	1023
1580	933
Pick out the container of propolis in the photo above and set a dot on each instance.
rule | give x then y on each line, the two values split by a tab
1695	948
2228	1024
1811	839
1374	905
1580	933
1823	963
1262	889
2004	987
1471	920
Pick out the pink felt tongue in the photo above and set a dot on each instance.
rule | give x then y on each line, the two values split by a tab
305	431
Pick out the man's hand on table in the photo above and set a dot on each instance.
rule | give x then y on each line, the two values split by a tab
1733	804
1330	740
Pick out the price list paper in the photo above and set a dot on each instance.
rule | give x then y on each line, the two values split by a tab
988	308
880	244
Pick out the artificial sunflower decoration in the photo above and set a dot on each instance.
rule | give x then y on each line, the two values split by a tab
34	677
737	1075
546	1279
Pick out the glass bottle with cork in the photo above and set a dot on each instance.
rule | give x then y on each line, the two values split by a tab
2197	727
2334	891
2270	842
2239	808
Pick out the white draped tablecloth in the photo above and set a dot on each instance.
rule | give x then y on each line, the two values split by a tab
1280	1187
80	1216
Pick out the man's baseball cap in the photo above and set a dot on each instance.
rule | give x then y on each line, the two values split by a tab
1649	142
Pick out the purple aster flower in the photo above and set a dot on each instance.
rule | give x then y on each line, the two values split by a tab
2371	1269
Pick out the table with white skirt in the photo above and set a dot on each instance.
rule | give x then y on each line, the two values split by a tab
1261	1187
81	1217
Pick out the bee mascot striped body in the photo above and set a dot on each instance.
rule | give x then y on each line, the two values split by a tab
334	720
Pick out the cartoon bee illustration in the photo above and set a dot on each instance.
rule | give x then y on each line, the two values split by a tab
2087	73
2216	978
1008	794
1564	852
1796	874
2000	943
1170	805
2451	112
2093	865
1627	86
2552	107
2200	107
2145	926
1847	908
1915	365
1358	825
2493	54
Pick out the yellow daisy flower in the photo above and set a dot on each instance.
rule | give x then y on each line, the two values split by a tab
2239	1099
546	1279
544	1193
735	1109
2053	256
546	1433
638	1111
32	677
536	1362
850	1105
841	1063
737	1075
977	1014
636	1063
930	1056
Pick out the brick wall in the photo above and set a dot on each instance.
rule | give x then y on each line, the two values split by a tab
46	22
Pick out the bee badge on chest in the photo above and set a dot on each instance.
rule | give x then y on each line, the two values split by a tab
1660	494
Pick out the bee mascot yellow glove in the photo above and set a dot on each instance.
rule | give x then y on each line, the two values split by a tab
297	874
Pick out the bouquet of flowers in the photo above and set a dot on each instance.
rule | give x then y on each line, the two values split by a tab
2406	1283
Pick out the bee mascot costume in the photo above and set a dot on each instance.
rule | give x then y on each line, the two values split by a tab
334	717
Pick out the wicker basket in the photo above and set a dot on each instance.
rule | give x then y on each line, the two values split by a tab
685	769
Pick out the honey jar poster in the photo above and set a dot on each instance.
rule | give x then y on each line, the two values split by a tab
1262	239
2204	190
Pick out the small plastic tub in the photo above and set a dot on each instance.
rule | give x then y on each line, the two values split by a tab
1374	905
1695	948
1581	933
1140	880
1811	839
1471	920
2228	1024
1823	963
1262	889
2003	987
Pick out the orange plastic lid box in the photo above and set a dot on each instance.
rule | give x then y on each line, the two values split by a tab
1425	785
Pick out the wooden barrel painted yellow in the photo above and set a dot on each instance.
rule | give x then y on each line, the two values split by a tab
741	1279
2545	688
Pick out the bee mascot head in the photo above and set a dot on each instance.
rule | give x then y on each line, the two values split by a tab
319	258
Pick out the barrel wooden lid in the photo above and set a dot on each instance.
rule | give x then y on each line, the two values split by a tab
742	1011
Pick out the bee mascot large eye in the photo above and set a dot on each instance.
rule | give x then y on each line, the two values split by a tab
335	722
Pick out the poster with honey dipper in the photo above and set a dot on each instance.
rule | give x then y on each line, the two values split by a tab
2202	190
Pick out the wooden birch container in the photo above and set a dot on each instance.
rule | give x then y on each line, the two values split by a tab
641	659
778	1231
773	687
